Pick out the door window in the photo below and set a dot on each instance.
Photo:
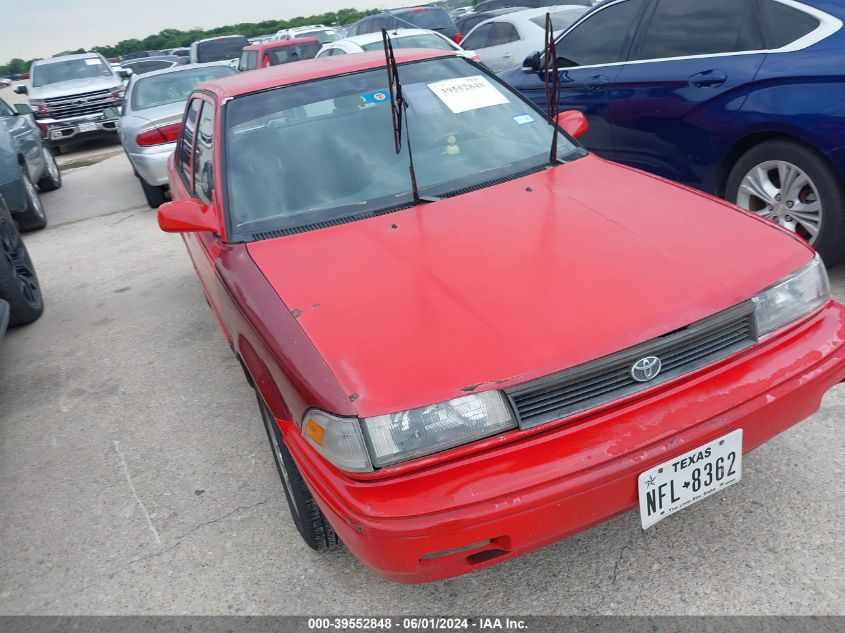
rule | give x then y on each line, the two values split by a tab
186	141
204	155
479	38
785	24
503	33
680	28
600	39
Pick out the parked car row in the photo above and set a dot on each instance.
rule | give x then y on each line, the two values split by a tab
502	42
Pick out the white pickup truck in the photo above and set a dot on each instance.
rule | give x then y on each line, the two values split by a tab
69	95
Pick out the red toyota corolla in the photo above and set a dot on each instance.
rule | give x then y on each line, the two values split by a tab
521	346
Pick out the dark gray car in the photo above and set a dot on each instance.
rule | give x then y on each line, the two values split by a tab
24	163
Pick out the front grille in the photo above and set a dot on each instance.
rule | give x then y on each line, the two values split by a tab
80	104
607	379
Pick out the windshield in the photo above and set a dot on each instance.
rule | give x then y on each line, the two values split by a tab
324	150
560	19
158	90
424	40
292	53
220	50
324	36
54	72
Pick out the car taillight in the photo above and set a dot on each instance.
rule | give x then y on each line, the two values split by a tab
159	135
45	129
458	38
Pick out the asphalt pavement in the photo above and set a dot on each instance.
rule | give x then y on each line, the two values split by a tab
135	475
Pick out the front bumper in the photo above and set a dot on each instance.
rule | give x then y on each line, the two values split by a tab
151	165
483	509
60	131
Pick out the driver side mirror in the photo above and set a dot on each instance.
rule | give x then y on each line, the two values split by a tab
125	73
23	108
532	63
21	89
573	123
187	216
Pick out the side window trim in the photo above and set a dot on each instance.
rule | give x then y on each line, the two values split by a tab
828	25
648	16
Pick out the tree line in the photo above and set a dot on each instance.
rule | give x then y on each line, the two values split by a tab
173	38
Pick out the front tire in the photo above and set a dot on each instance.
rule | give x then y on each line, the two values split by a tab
795	187
155	196
52	178
307	516
34	217
18	282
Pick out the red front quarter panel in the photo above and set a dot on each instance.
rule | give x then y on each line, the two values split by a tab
280	359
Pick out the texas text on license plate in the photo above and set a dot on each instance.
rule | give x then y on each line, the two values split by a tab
685	479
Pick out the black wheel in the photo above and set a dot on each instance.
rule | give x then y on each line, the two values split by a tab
307	517
33	217
793	186
155	195
52	178
18	281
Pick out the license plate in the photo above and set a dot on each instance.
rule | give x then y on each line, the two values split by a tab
688	478
87	127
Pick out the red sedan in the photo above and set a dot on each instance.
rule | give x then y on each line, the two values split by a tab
519	344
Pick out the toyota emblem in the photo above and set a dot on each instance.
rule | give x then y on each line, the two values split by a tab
646	369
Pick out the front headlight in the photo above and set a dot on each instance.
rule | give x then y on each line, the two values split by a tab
795	296
402	436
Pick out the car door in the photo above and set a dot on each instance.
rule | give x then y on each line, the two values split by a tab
26	138
478	41
502	47
195	156
590	55
688	75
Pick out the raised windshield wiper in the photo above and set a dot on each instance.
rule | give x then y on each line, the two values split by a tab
399	112
552	86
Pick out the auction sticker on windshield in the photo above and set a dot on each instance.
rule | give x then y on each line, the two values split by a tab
688	478
463	94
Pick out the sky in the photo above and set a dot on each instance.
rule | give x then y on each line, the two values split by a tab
45	27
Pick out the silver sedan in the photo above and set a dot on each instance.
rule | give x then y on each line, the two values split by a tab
151	117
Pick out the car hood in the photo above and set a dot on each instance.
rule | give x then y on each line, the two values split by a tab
519	280
74	86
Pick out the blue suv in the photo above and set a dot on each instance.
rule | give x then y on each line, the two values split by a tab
744	99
